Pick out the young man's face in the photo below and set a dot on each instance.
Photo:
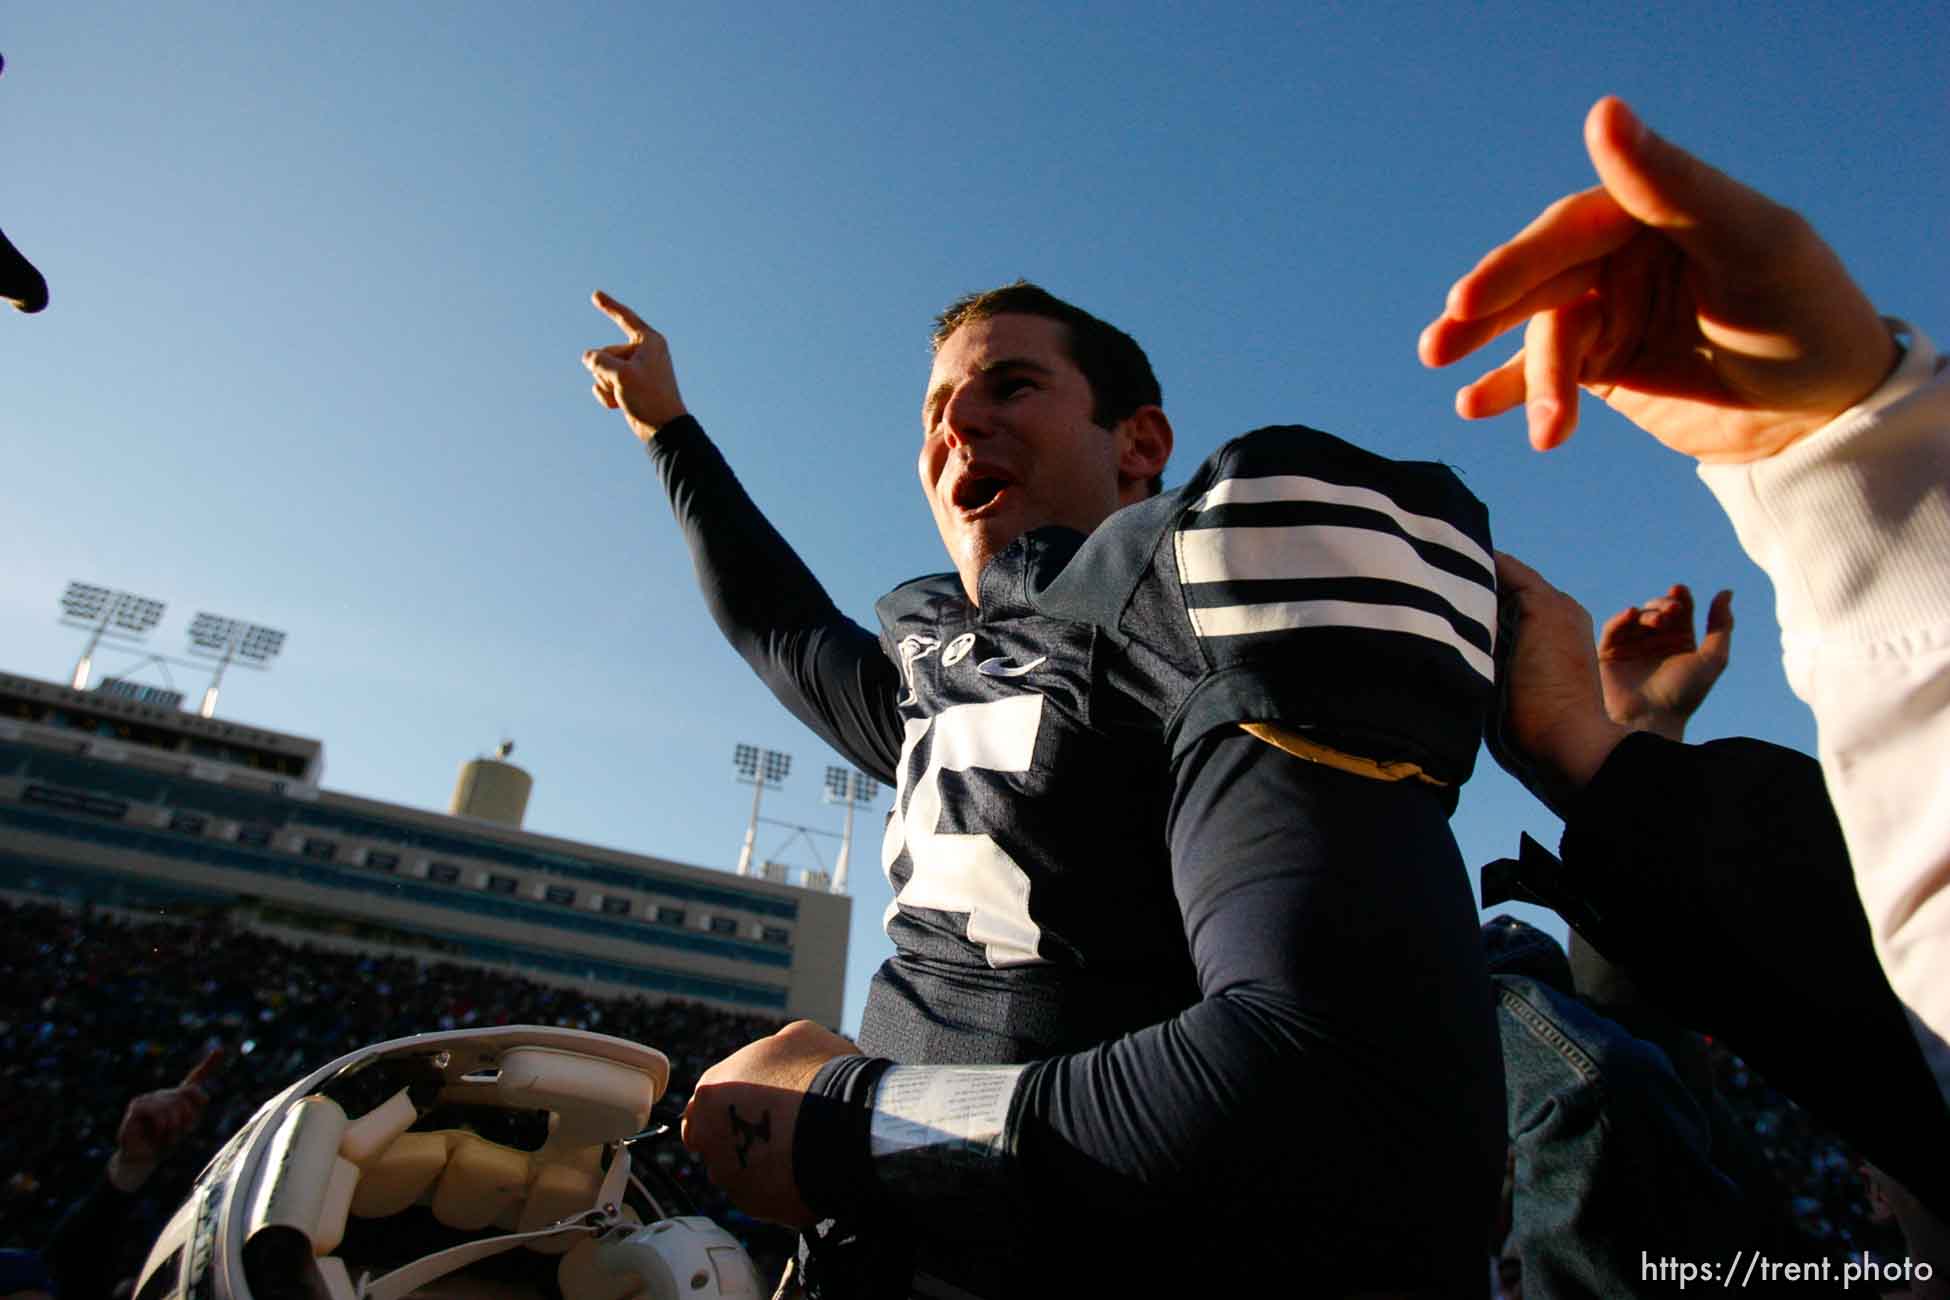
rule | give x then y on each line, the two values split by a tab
1008	443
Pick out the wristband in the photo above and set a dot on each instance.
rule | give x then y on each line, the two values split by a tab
942	1132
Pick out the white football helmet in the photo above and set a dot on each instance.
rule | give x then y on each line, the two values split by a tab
490	1163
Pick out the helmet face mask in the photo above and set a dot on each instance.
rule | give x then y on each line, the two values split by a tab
484	1163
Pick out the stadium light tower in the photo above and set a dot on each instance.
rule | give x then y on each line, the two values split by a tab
852	789
757	768
228	641
119	615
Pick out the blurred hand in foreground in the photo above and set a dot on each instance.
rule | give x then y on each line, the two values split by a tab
1704	312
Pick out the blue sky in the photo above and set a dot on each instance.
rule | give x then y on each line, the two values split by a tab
320	276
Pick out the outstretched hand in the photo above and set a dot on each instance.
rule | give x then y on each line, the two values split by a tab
1704	312
635	376
1655	674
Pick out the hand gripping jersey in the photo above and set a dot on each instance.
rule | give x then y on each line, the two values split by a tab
1178	918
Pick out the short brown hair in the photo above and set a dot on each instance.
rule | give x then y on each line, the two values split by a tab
1118	372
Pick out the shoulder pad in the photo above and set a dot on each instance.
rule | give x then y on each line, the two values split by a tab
1304	583
929	599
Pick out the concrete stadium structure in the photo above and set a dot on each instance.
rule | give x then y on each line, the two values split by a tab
123	800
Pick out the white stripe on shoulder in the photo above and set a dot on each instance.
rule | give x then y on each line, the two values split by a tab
1280	616
1298	487
1247	554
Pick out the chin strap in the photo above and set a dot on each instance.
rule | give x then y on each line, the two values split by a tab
606	1213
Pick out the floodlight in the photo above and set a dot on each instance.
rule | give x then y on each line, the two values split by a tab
211	631
844	786
117	615
261	643
137	613
768	766
123	611
229	640
214	634
84	600
757	768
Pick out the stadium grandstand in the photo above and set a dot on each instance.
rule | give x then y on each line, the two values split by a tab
118	799
171	883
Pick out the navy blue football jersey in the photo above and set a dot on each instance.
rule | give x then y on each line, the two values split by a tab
1033	911
1342	600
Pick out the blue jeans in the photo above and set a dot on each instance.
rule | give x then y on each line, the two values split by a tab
1614	1167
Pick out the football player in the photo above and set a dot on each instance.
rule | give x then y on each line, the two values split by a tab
1187	985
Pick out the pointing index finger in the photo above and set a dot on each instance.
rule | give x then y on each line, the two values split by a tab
626	320
204	1068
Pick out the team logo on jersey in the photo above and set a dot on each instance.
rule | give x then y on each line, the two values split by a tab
1000	667
958	650
913	647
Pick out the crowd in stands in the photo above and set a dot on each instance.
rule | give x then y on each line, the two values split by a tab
96	1009
1819	1175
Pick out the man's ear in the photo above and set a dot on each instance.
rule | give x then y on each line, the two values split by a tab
1144	446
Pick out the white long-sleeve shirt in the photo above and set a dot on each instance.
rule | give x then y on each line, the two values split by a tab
1852	524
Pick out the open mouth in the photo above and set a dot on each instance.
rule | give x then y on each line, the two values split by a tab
978	492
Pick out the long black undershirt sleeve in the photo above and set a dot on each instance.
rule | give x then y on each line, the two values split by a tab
827	670
1337	1085
1738	916
1342	1056
80	1254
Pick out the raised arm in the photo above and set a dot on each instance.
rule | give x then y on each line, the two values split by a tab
827	670
152	1126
